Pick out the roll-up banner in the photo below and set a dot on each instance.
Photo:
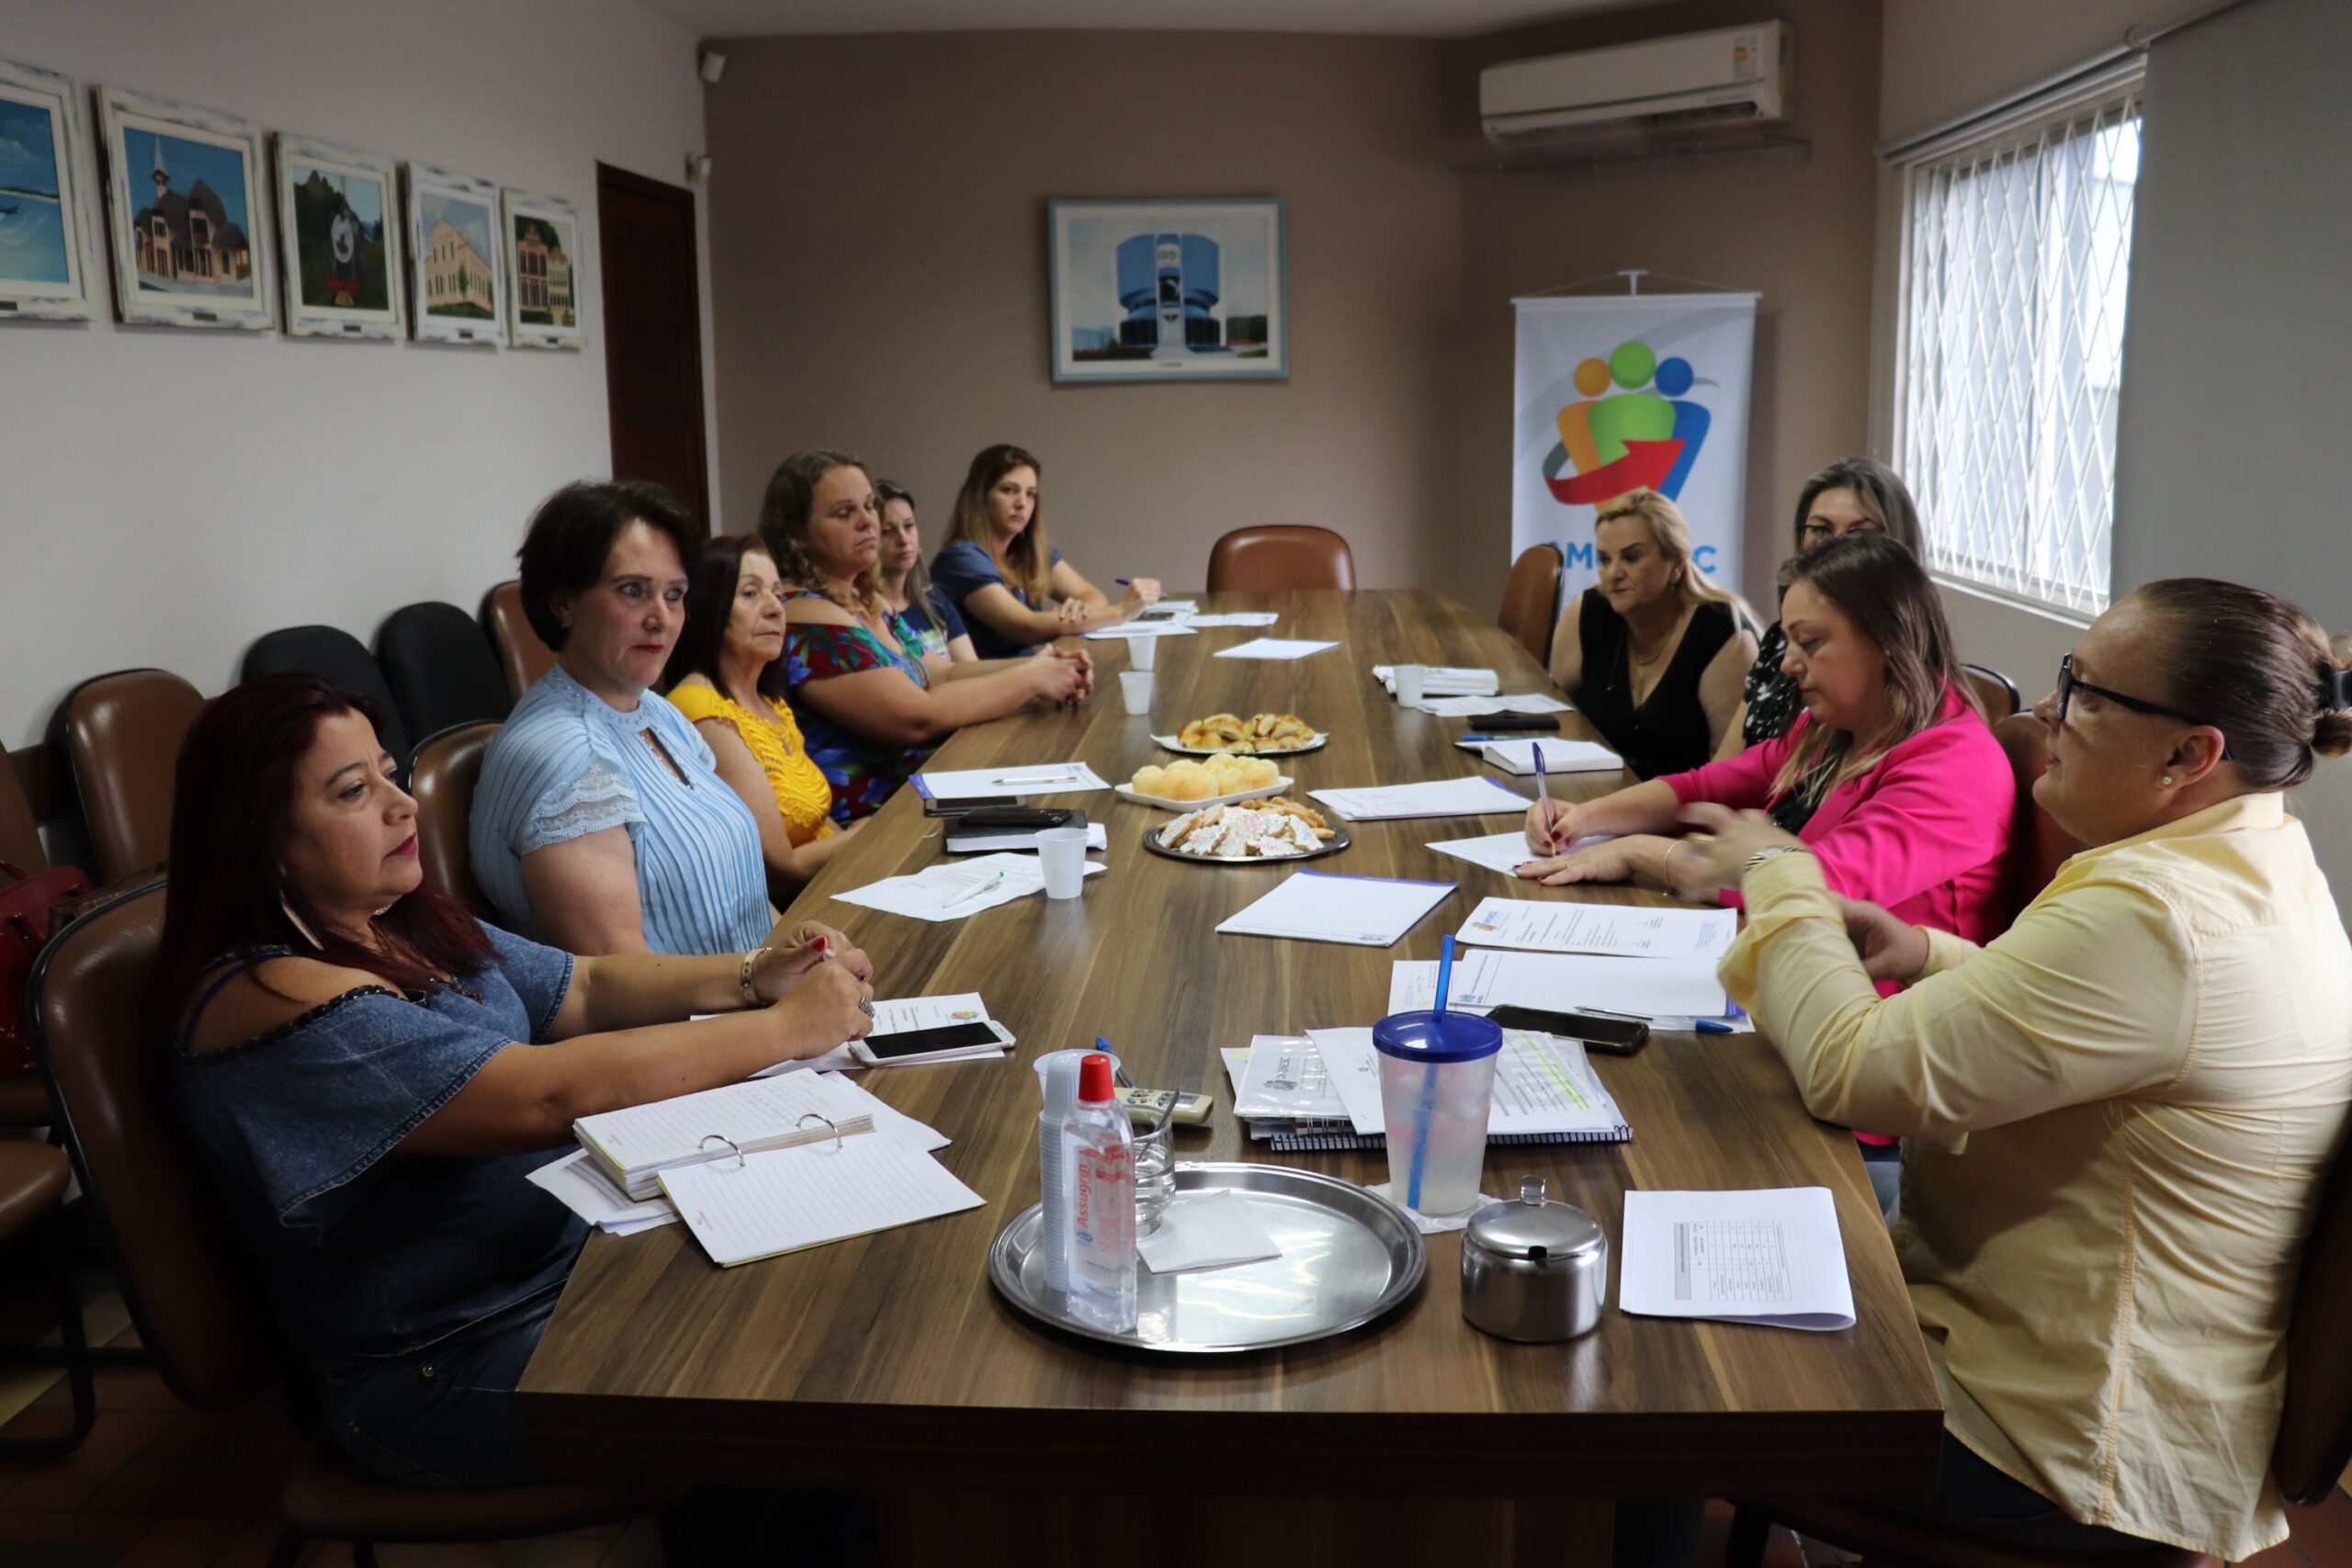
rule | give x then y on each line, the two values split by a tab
1614	392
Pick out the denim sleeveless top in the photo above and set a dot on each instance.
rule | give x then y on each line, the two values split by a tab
566	764
365	1253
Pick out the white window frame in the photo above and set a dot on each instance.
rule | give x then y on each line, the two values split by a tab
2092	97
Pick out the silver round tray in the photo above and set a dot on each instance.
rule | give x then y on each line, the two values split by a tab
1347	1258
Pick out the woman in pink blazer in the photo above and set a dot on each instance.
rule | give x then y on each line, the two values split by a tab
1890	775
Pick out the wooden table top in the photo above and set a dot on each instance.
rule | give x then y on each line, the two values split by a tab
895	1349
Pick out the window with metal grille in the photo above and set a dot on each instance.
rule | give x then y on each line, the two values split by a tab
2017	252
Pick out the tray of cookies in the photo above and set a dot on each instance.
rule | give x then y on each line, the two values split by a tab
1260	734
1253	832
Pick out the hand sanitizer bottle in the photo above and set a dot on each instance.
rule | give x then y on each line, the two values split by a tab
1103	1208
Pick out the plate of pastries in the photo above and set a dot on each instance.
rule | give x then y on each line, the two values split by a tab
1248	832
1218	779
1260	735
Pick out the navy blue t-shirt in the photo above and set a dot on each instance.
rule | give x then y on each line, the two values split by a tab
933	620
962	569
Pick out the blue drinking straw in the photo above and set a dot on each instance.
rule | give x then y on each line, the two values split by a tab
1429	1085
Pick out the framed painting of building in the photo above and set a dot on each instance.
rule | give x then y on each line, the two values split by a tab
542	266
44	230
456	287
1168	290
188	214
339	223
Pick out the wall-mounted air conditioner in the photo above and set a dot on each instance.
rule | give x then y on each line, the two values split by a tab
1737	75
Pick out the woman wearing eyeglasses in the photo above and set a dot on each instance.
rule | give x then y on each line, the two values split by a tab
2117	1115
1853	495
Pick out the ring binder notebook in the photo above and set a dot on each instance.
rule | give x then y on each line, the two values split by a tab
633	1148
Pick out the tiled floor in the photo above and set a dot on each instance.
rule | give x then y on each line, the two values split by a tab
158	1485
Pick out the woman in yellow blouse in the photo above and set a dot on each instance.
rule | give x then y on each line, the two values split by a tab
2119	1115
723	674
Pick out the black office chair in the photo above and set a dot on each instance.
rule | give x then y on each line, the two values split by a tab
332	654
441	668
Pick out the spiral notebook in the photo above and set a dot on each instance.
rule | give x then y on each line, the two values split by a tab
1545	1093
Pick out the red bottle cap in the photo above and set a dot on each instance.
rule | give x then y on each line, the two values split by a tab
1094	1079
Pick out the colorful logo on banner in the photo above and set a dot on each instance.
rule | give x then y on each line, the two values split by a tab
1633	430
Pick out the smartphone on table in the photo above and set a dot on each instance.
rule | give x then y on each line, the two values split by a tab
929	1044
1599	1032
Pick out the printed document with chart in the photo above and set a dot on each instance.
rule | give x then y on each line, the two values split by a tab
1770	1255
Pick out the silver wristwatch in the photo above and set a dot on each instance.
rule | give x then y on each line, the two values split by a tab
1766	853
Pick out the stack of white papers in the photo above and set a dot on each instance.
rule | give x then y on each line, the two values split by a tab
1559	756
1445	680
1553	926
953	889
1476	796
632	1147
1654	988
1313	906
1236	618
1171	607
1464	707
793	1198
1545	1091
1771	1255
1140	629
971	783
960	839
1282	1092
1274	648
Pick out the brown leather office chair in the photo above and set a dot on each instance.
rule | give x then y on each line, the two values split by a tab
520	652
2307	1458
1528	596
1279	556
442	777
111	1080
2038	846
1996	693
123	732
32	1201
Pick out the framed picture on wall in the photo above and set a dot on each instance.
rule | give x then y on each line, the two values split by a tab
542	265
339	214
188	214
457	286
1168	290
44	233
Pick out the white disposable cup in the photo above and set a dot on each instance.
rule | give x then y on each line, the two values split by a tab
1134	690
1141	652
1433	1105
1061	855
1410	679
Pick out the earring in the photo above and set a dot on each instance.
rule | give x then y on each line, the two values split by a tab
296	921
2167	778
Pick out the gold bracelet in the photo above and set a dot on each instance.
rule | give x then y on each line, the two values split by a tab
751	998
1666	866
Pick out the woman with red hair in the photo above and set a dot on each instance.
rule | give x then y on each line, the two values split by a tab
368	1072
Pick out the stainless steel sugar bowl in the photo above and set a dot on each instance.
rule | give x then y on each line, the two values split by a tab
1531	1270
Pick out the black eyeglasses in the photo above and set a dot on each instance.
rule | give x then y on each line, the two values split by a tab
2069	683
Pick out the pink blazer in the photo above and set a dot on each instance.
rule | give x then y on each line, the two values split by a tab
1923	832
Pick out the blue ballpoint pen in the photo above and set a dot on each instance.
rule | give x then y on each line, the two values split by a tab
1543	792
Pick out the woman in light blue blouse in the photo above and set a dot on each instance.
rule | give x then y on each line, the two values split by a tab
601	824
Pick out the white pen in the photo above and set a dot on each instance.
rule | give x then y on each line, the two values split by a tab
987	887
1038	778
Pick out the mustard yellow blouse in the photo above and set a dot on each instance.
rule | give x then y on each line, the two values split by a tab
801	792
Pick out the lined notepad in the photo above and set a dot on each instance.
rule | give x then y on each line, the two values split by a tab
790	1198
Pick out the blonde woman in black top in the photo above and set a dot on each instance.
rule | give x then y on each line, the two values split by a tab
1651	654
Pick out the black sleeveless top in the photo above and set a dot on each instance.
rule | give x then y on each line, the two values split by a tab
1667	734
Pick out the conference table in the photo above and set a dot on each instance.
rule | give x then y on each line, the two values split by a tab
888	1363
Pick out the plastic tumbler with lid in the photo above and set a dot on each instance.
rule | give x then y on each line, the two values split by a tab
1437	1081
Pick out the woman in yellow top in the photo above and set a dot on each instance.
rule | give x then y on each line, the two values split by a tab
724	675
2119	1115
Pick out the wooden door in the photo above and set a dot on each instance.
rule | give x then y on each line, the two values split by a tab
653	333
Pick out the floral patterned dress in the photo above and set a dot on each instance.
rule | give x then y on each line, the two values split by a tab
862	771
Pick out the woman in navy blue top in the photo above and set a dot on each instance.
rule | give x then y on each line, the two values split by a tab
1011	585
907	588
364	1071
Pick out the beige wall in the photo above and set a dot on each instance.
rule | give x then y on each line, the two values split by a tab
1800	233
1940	59
174	494
878	265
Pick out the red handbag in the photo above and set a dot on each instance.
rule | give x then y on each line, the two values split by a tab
27	904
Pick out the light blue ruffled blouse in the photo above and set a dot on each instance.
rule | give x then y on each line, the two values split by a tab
566	764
